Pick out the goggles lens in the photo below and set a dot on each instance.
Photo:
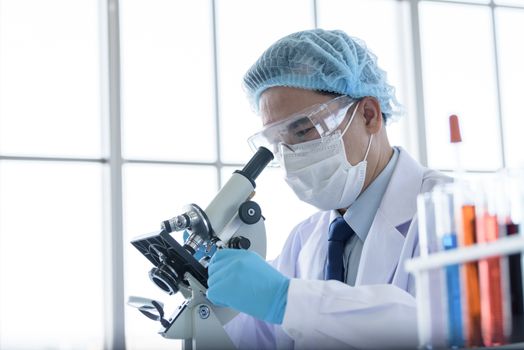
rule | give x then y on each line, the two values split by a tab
313	123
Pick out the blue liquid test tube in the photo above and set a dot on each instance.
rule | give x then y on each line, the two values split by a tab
443	197
449	241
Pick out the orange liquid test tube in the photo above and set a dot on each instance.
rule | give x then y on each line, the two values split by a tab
492	318
471	277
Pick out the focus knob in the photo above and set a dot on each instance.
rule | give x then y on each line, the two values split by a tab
239	242
249	212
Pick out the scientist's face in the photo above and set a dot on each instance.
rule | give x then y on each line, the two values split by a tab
278	103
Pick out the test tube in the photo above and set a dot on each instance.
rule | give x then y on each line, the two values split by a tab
510	223
490	271
431	298
443	197
470	271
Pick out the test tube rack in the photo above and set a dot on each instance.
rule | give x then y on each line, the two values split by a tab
419	267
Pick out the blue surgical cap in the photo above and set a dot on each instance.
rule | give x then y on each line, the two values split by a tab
323	60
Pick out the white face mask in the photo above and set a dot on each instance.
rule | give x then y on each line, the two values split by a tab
319	173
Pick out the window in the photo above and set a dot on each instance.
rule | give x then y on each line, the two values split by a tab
510	23
50	82
359	18
237	27
460	79
168	109
51	254
51	227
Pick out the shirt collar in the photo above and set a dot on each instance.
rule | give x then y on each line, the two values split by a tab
361	213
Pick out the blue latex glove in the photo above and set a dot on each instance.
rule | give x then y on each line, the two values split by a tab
242	280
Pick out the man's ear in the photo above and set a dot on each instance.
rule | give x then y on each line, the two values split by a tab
372	114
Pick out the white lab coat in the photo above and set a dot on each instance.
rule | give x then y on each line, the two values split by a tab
379	311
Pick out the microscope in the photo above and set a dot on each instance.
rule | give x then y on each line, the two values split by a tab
231	220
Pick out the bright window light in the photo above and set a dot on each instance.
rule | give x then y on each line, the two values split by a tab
50	86
241	38
459	78
510	23
519	3
471	1
51	258
358	18
168	109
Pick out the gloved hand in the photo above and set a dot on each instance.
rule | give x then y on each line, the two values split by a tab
242	280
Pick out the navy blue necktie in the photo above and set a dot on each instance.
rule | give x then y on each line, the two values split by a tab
339	233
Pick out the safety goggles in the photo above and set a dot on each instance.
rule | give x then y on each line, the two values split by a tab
313	123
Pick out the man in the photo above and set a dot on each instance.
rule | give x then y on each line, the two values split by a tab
340	280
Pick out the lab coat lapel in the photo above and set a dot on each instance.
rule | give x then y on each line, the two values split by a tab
383	245
313	255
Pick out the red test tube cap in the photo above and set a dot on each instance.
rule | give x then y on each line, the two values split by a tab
454	129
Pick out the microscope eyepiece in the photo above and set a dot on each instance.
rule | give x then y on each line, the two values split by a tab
257	163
